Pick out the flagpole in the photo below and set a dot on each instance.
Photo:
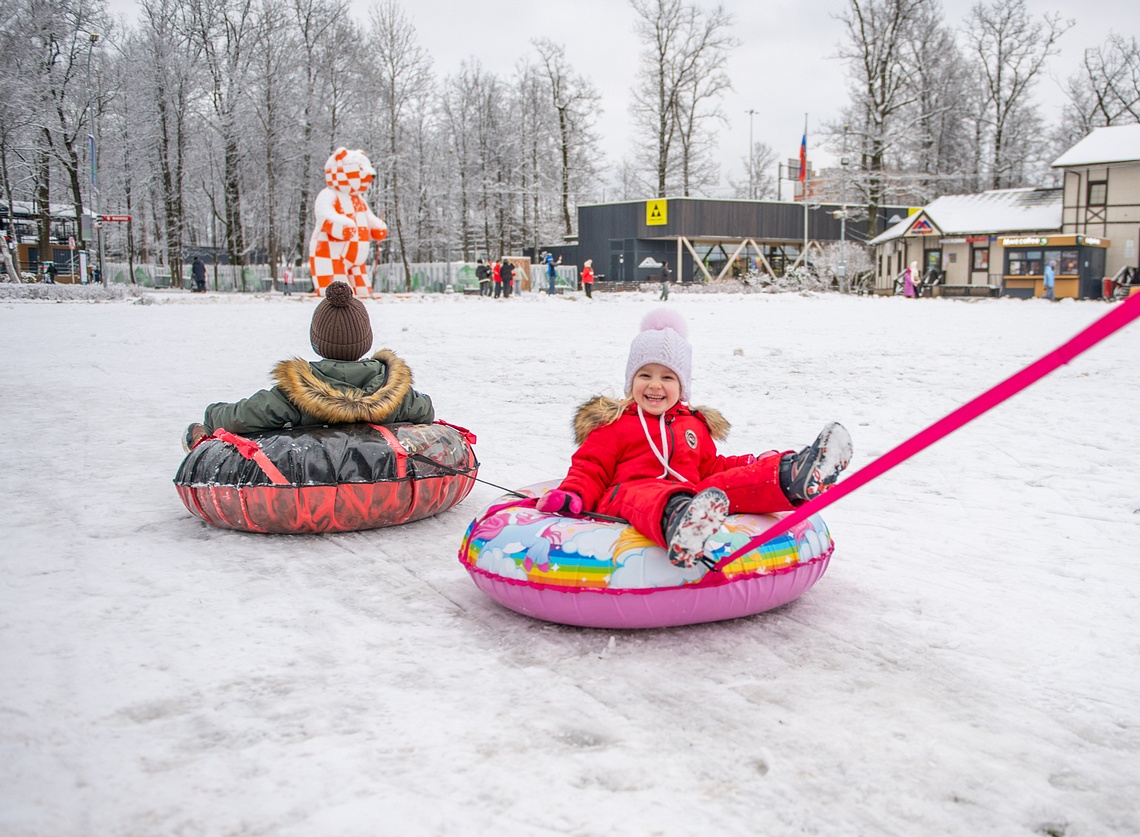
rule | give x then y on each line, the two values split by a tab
803	192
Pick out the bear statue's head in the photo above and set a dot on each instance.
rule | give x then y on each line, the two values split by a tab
349	171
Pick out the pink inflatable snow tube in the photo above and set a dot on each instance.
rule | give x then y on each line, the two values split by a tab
601	574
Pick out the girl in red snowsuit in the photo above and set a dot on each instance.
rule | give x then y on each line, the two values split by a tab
652	459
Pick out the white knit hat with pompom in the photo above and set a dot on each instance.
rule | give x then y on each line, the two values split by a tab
662	340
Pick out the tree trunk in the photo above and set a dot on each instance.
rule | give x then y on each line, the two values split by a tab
43	198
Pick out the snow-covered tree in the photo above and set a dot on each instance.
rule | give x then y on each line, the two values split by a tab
223	33
575	103
759	180
1105	91
881	78
678	86
1010	49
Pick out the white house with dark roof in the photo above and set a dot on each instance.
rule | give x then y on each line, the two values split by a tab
1000	241
1102	192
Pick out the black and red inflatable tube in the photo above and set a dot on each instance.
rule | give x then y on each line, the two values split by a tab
327	479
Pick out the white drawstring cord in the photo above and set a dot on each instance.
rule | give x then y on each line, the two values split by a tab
662	455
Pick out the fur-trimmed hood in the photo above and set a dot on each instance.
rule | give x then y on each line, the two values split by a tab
371	395
602	409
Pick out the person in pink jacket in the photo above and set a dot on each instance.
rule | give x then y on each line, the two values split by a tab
652	459
910	276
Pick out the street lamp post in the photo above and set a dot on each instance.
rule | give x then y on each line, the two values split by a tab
751	157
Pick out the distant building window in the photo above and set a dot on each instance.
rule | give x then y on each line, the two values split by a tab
1023	263
1098	192
981	258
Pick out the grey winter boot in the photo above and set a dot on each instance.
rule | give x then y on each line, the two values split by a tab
807	474
689	522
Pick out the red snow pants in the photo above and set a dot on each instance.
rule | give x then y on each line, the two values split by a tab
751	489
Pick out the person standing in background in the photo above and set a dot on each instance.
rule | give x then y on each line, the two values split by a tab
287	279
1050	280
588	278
198	272
666	273
909	277
551	273
483	275
507	272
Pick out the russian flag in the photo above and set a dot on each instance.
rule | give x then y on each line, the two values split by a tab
803	158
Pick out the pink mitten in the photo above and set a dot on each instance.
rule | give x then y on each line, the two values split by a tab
560	502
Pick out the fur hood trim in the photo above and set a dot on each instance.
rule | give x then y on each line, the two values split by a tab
332	404
601	410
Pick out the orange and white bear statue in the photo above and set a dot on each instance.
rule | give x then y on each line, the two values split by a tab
345	225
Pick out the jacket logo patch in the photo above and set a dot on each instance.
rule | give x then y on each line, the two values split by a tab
691	438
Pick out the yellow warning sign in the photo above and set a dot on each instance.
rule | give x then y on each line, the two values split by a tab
656	212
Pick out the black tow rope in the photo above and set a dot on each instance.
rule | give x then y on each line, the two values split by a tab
427	460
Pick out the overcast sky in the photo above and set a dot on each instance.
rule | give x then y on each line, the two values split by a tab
782	69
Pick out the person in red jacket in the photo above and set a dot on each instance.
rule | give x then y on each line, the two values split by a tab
497	278
652	459
588	278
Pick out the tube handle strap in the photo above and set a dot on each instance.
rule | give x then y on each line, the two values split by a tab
397	448
249	449
468	436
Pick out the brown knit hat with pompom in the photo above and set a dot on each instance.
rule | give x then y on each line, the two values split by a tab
340	329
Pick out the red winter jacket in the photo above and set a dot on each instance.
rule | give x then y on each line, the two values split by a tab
495	275
611	454
587	276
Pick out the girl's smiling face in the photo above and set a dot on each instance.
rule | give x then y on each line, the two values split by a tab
656	389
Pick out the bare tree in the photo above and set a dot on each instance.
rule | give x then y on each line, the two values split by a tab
697	105
17	110
403	78
64	35
164	76
271	90
459	104
221	30
1010	49
878	32
759	182
1105	91
680	42
315	21
934	149
575	102
537	165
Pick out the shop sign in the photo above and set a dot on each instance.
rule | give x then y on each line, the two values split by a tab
1025	241
923	227
976	239
1088	239
955	240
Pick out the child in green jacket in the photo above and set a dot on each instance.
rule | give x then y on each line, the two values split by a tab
341	389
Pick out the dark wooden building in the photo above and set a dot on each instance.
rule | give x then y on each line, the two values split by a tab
705	239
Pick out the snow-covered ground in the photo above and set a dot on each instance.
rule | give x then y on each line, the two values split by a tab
970	664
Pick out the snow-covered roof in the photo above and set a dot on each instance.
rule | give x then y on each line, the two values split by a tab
995	211
1115	144
27	209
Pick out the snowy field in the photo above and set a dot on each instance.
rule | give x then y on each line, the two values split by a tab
967	666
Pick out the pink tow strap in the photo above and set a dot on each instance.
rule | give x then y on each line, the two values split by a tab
1110	323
